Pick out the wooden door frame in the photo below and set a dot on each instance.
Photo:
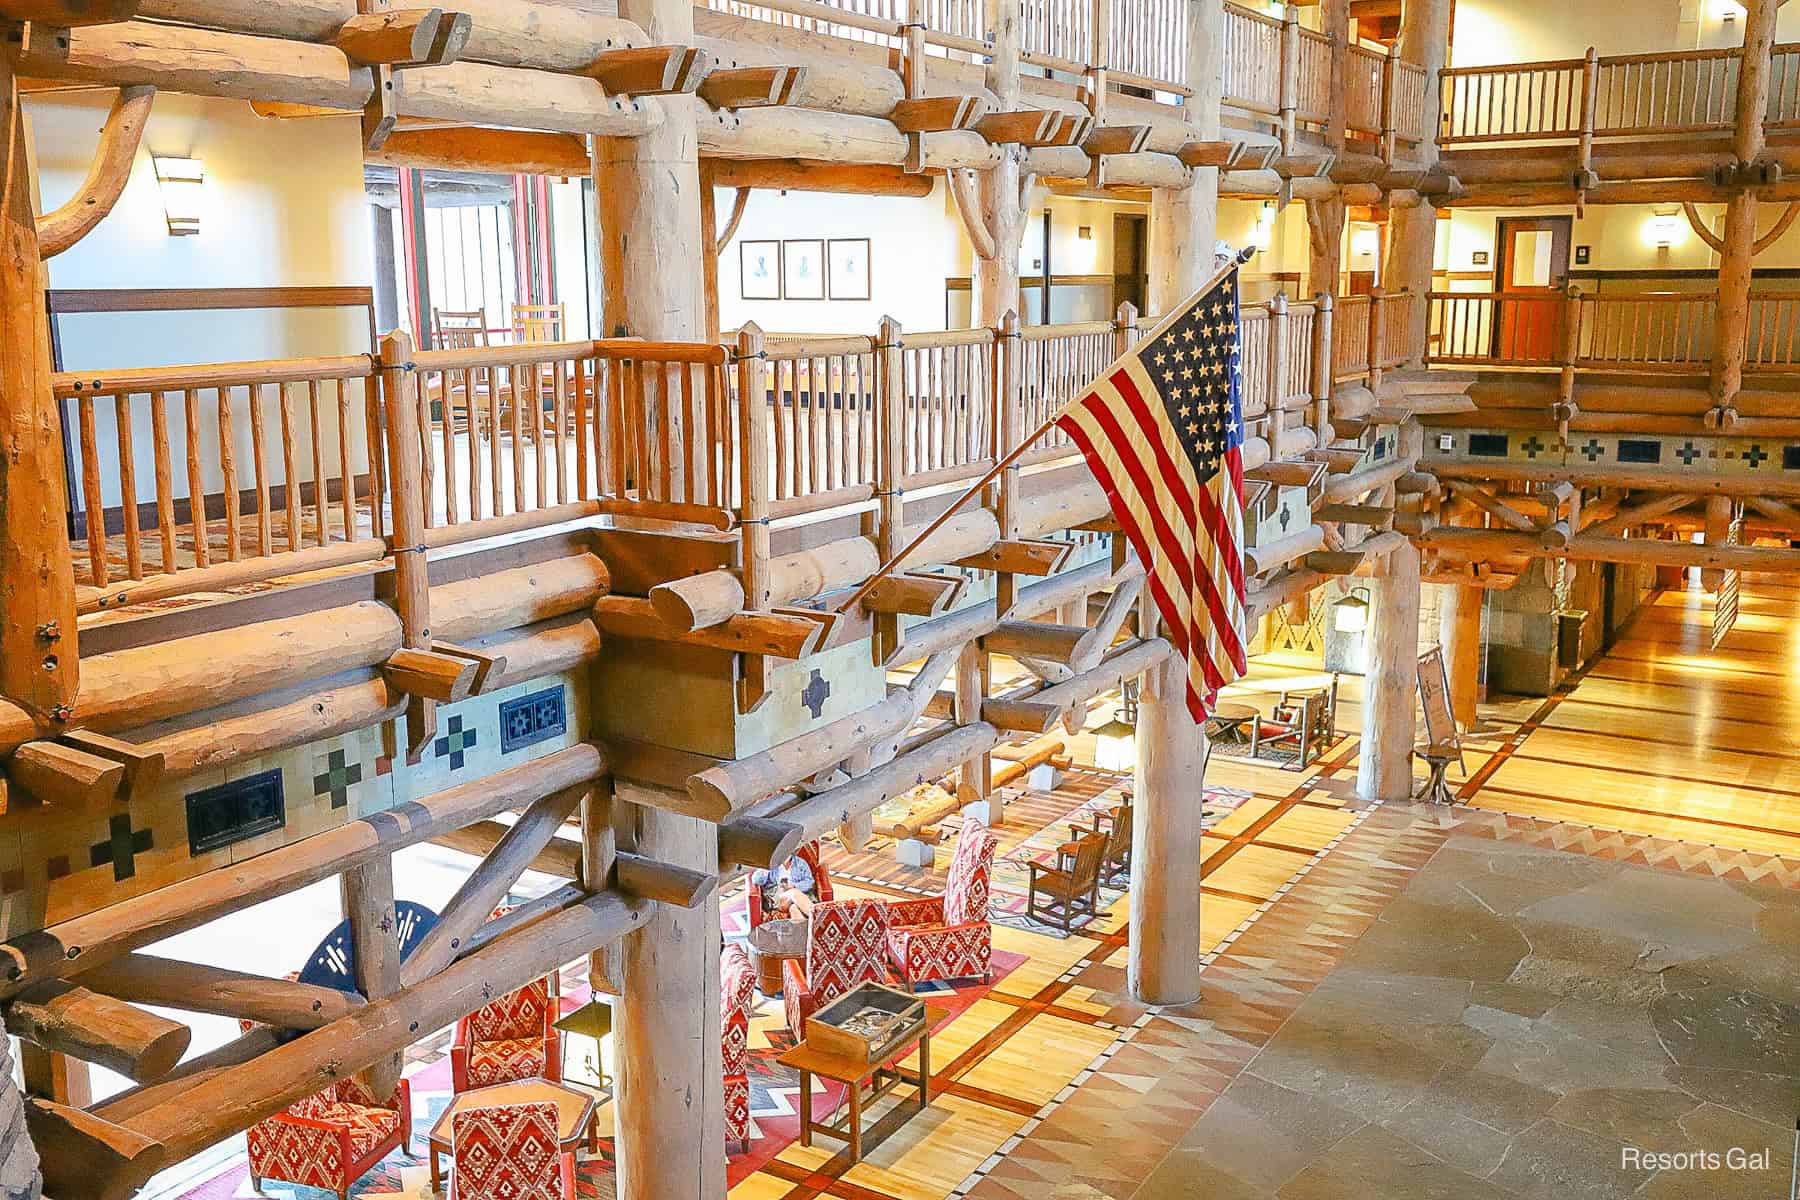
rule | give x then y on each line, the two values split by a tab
1564	224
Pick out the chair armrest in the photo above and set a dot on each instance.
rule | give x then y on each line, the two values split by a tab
552	1058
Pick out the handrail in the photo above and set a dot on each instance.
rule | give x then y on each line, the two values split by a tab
450	446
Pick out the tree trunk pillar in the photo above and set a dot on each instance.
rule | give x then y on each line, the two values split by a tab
1412	231
37	577
1460	631
671	1116
671	1102
1165	841
1184	222
1002	202
1390	688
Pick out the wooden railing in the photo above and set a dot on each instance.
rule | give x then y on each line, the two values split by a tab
277	450
1602	96
1654	331
486	441
1251	59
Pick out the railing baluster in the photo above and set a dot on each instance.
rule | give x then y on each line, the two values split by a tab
165	479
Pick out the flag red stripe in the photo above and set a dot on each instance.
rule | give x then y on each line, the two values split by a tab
1157	435
1180	623
1178	556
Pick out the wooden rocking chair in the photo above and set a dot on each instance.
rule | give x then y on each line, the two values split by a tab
1117	860
1302	722
1070	889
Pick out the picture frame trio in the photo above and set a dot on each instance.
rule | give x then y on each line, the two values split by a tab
804	269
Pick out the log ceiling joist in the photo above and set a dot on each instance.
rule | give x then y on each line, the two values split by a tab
65	14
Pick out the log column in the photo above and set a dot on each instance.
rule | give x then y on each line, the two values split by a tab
671	1117
1460	631
1184	222
1732	328
1165	841
37	579
1412	231
671	1106
1002	204
1391	685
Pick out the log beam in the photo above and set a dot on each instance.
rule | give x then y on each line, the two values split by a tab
651	70
220	991
93	938
69	1019
411	37
750	87
106	178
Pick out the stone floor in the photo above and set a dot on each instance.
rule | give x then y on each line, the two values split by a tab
1526	1022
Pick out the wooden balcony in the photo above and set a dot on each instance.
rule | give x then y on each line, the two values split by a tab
501	440
1638	332
1610	96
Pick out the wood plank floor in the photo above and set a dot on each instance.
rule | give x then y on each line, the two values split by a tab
1664	735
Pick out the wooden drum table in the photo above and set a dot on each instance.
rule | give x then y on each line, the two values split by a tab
852	1070
575	1113
771	944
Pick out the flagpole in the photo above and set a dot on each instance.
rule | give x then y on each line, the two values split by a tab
1012	456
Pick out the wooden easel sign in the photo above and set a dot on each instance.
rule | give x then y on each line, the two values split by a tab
1441	735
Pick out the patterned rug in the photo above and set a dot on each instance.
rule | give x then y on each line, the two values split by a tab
1007	896
774	1102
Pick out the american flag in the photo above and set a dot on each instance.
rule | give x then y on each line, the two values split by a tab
1163	431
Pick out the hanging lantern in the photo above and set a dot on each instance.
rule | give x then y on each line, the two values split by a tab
1115	743
1350	614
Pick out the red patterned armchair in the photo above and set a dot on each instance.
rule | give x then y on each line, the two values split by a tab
330	1140
846	944
514	1037
948	936
809	852
509	1152
737	987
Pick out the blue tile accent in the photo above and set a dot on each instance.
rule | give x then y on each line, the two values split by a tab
531	719
233	812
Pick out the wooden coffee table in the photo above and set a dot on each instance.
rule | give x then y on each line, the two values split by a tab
575	1111
1230	719
772	943
851	1072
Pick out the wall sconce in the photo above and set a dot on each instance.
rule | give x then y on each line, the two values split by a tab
1365	243
1728	10
1115	743
1663	230
1085	233
182	181
1350	614
1263	236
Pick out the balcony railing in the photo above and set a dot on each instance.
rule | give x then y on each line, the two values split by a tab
1273	68
1609	96
1653	331
208	477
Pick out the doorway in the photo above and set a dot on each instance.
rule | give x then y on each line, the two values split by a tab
1532	270
1131	270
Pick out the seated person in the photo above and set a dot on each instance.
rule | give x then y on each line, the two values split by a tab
788	891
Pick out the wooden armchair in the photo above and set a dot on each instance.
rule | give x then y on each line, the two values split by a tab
1301	721
1117	860
332	1139
1071	888
511	1037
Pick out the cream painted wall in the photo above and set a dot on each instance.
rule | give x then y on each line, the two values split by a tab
283	206
912	250
1506	31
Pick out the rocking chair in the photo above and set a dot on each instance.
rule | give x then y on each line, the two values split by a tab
1070	889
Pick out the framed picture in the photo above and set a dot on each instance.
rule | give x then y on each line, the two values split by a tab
849	268
760	270
1479	258
1581	255
803	269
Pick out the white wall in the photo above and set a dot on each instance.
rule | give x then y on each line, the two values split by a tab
283	206
913	248
1510	31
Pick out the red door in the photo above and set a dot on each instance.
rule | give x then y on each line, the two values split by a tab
1530	277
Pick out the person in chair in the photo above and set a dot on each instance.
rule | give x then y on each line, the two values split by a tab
789	891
